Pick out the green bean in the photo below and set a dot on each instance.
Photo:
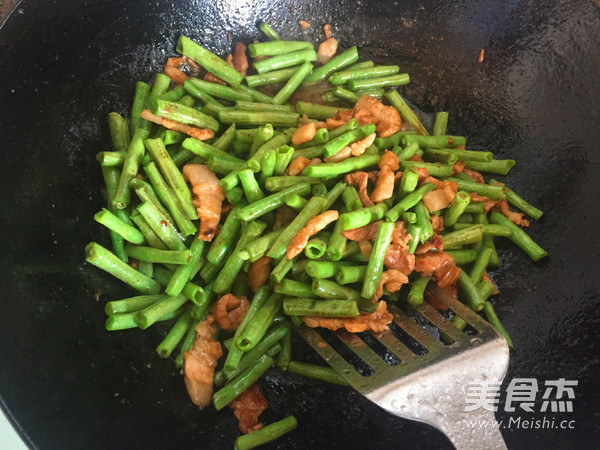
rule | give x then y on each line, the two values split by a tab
336	244
409	181
146	193
269	32
518	202
225	395
119	131
209	61
295	201
321	137
285	60
114	223
441	123
375	265
336	144
172	175
380	82
104	259
338	62
409	217
283	156
148	316
174	336
435	141
224	241
423	222
393	140
406	153
500	166
463	155
223	166
281	269
276	118
440	156
433	169
170	200
183	114
470	235
135	152
362	74
462	257
350	274
275	333
271	202
363	216
182	157
294	288
279	184
131	304
250	185
142	94
233	265
315	248
480	264
208	151
472	295
352	124
322	269
257	326
417	289
150	236
225	141
265	435
376	93
351	199
183	274
285	355
309	152
519	237
188	342
493	192
351	164
474	208
163	229
312	208
273	77
492	318
278	47
220	91
126	321
294	306
195	91
234	356
457	207
406	113
173	95
330	290
256	249
316	111
322	373
361	65
408	202
158	256
488	229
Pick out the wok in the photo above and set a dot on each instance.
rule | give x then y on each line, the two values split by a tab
66	383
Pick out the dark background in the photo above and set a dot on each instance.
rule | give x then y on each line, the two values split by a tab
66	383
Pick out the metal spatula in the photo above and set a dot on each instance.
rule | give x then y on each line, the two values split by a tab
430	387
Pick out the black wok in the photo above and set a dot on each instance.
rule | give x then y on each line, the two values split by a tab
66	383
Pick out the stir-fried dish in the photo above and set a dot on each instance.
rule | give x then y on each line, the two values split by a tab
239	211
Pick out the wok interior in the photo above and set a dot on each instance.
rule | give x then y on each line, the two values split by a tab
66	382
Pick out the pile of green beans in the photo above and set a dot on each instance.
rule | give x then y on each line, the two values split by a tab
153	224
